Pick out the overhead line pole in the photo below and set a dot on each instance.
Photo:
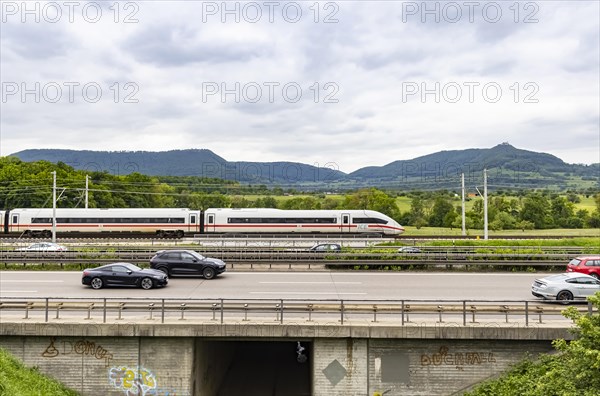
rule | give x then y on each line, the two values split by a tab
86	191
54	207
464	232
485	206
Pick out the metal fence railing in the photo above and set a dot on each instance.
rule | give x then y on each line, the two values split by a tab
220	310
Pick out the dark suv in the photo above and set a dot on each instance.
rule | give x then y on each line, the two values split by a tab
186	262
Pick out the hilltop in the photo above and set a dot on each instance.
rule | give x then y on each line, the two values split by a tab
508	167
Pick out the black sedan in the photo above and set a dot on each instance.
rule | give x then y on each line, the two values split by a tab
123	274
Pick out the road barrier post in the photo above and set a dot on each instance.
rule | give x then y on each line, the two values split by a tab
121	305
90	307
27	308
151	308
58	307
222	311
402	312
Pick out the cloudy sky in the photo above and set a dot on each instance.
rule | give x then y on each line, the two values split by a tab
347	83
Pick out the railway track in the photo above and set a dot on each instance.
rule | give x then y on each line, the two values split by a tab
131	237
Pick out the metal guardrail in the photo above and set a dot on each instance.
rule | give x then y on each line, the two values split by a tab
275	310
289	259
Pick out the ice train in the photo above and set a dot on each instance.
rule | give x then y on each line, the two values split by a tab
178	222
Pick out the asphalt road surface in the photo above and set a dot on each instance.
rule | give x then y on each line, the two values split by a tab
288	285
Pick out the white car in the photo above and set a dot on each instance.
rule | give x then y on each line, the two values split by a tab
43	247
565	287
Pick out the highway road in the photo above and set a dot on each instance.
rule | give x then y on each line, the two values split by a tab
288	285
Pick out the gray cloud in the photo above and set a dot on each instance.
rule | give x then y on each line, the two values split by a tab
369	54
177	46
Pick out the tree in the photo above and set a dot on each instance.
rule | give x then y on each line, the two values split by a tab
265	202
441	207
562	210
417	212
372	199
525	225
575	370
535	210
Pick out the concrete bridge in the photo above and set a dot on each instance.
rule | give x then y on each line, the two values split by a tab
201	356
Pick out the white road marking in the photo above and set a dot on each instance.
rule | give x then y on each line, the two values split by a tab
311	293
29	281
312	283
18	291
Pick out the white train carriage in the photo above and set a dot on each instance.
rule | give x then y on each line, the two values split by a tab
298	221
163	222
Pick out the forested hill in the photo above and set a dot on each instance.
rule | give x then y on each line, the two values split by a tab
508	167
193	162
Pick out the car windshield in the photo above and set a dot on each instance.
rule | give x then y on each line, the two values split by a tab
133	267
574	262
197	255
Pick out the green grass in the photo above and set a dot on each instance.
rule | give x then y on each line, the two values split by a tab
441	231
18	380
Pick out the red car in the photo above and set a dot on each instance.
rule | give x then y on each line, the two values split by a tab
586	265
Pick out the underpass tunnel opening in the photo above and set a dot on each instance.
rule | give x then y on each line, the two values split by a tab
252	368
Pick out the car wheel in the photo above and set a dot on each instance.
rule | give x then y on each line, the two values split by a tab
165	270
595	275
565	296
97	283
146	283
208	273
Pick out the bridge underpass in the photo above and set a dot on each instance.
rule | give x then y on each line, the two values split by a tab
252	368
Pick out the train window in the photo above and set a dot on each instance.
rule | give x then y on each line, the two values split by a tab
211	219
345	219
16	219
193	220
368	220
281	220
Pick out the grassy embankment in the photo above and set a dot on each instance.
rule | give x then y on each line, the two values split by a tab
18	380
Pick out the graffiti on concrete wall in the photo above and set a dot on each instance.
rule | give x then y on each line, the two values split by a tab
132	381
137	381
80	347
458	359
